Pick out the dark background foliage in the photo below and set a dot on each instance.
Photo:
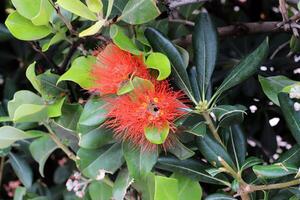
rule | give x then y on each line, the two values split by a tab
16	55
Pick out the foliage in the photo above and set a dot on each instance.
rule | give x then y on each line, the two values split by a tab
58	125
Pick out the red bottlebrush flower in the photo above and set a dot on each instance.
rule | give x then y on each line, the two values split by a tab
114	68
130	114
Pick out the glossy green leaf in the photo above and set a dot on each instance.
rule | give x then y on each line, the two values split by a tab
110	6
290	157
54	109
274	171
191	168
187	188
78	8
94	5
180	151
251	161
157	135
80	72
119	38
161	44
100	191
246	68
31	76
30	113
122	182
24	29
140	11
199	129
139	162
228	115
59	36
192	72
212	150
92	30
70	116
161	63
22	169
9	135
166	188
44	13
125	88
96	138
219	197
41	149
27	8
93	114
237	145
109	158
205	50
291	116
273	85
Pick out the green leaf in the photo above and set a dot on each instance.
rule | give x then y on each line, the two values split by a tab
59	36
80	71
212	150
192	168
157	135
109	158
205	50
237	145
291	116
228	115
41	149
273	85
78	8
100	191
22	169
290	157
44	13
140	11
122	182
54	110
120	39
165	188
24	29
93	114
5	119
161	63
94	5
187	188
92	30
9	135
274	171
19	193
110	6
139	162
161	44
27	8
125	88
246	68
194	83
96	138
199	129
219	197
31	76
251	161
180	151
30	113
70	116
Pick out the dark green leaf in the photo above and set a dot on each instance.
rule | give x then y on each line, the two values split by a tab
205	50
228	115
273	85
139	163
100	191
122	182
291	116
246	68
191	168
41	149
22	169
237	145
161	44
96	138
180	151
274	171
219	197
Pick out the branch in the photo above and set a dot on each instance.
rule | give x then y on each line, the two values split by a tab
177	3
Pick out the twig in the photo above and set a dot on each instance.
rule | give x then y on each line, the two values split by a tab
68	57
53	136
212	127
50	61
2	162
254	188
177	3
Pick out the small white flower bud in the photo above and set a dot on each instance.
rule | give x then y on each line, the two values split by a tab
80	194
77	175
295	92
101	175
69	185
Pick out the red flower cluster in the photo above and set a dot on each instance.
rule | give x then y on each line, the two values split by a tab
129	114
115	67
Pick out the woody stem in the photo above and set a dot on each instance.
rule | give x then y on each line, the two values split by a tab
212	127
